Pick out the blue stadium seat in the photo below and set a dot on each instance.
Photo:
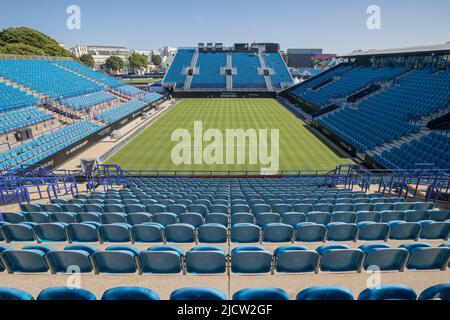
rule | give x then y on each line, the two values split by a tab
373	231
130	293
88	217
134	208
50	232
416	215
319	217
3	248
344	216
281	208
134	219
65	294
261	294
277	232
261	208
437	292
439	215
245	233
155	208
178	209
310	232
401	230
198	208
82	232
403	206
30	207
24	261
193	294
240	209
118	232
13	217
38	217
388	292
114	261
161	260
251	260
180	233
340	258
364	207
296	259
324	207
340	231
425	258
212	233
303	208
384	258
242	218
325	293
166	218
435	230
77	208
13	294
391	215
63	217
194	219
22	232
267	218
219	218
206	260
69	261
150	232
293	218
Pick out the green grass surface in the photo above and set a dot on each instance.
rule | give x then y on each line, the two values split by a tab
299	148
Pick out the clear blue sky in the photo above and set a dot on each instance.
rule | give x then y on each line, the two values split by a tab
336	26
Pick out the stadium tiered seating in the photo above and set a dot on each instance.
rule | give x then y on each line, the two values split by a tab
282	75
17	119
388	115
300	90
87	101
209	76
117	259
433	148
119	112
152	98
247	76
13	98
32	152
385	292
47	77
85	71
352	81
129	90
181	61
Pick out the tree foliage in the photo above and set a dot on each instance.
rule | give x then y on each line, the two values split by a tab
87	60
28	41
115	63
156	60
21	49
138	61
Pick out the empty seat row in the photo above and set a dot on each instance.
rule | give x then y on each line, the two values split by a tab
215	260
384	292
153	232
339	231
164	218
118	232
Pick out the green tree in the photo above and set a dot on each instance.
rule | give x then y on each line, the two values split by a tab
156	60
43	45
115	63
138	61
21	49
87	60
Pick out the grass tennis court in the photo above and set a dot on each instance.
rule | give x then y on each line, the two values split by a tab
299	149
